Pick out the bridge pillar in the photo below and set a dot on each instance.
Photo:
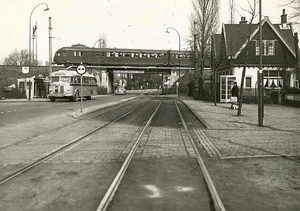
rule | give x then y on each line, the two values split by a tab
110	83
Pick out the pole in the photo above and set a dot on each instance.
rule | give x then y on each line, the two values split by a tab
50	46
178	57
29	50
81	93
260	73
195	65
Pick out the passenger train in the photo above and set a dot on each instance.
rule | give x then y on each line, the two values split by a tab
81	54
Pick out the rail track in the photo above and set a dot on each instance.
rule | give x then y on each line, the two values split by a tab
109	195
115	184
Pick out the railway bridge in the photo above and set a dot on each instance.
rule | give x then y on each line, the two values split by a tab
125	62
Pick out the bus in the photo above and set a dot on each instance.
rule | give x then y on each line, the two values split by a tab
65	84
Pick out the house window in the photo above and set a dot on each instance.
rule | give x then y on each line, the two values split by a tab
268	48
248	82
273	79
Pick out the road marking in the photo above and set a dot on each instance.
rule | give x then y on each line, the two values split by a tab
155	191
184	189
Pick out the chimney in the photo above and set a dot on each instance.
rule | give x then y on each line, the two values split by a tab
243	20
283	17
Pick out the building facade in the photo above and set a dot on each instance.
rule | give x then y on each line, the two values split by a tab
237	47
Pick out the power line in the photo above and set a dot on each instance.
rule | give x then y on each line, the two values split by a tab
117	22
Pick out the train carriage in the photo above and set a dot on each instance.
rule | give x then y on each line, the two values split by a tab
81	54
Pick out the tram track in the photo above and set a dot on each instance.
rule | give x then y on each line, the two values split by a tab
71	143
81	118
133	147
113	188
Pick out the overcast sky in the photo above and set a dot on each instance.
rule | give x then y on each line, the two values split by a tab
137	24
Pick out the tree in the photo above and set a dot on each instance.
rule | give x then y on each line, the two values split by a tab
295	5
252	11
18	58
206	16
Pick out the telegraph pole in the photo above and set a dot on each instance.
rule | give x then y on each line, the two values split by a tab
50	47
196	82
260	74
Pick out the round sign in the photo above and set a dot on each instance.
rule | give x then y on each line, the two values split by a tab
81	69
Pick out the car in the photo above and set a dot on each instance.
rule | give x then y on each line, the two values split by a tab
120	90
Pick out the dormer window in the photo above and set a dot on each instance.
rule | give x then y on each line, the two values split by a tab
268	48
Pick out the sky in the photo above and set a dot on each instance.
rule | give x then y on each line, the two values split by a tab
137	24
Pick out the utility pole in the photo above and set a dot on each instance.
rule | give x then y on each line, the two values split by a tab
50	47
260	74
196	82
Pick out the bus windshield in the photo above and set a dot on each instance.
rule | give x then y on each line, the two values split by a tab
65	79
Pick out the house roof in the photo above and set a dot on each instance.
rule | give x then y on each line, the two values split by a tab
236	35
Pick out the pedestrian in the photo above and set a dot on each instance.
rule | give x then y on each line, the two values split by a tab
234	96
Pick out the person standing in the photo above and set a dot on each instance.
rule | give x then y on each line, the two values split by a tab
234	96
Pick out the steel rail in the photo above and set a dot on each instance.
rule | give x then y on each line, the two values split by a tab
62	148
110	193
85	117
218	205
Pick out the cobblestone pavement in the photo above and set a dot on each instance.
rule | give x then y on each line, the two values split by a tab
231	136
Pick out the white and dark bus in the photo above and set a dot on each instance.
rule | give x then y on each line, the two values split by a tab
65	84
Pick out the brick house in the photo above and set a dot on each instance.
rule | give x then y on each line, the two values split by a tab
279	56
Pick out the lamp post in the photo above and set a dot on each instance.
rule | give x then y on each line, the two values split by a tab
29	51
178	57
99	40
260	74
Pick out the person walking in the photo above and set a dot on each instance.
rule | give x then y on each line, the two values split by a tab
234	96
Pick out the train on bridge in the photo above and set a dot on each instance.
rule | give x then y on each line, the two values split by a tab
81	54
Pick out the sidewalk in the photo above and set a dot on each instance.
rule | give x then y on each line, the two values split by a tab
230	136
222	117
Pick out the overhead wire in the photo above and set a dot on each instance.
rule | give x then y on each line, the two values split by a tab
117	22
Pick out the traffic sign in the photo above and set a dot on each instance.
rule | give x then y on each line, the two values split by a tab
25	70
81	69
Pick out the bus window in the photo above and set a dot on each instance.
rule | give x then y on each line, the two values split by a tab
54	79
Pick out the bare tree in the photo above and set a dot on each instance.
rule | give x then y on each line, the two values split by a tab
206	16
295	5
252	11
17	57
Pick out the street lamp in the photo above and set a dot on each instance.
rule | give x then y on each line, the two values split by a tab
29	51
167	31
99	40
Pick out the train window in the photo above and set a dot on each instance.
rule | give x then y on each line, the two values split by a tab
152	55
75	53
120	54
97	54
64	53
136	55
80	53
144	55
127	54
58	54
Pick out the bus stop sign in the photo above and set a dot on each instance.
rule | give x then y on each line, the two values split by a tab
81	69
